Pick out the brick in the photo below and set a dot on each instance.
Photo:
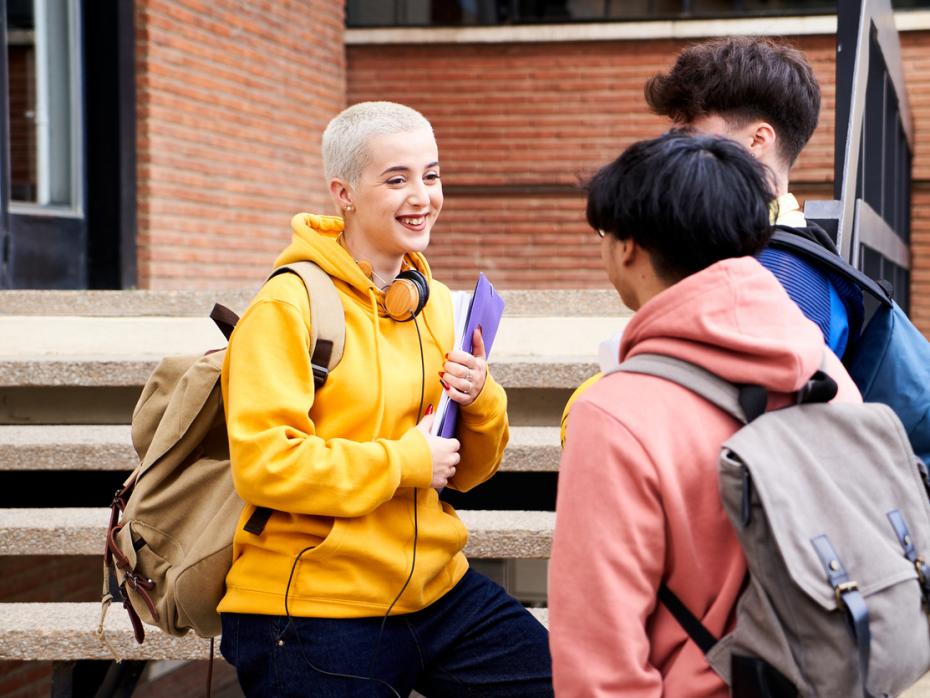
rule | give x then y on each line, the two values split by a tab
231	100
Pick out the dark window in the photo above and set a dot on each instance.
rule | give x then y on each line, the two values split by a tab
416	13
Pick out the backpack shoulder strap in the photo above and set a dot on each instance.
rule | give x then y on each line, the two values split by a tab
786	238
328	322
712	388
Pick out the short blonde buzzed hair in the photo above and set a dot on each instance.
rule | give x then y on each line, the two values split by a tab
345	152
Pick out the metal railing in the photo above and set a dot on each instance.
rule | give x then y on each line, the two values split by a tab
870	215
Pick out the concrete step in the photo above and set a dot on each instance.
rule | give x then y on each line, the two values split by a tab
529	352
109	447
84	371
519	303
81	531
67	632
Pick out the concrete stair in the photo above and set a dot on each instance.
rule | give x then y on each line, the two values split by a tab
80	447
72	365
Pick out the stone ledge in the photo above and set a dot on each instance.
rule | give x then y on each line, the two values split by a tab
45	338
81	531
581	302
67	632
108	447
565	372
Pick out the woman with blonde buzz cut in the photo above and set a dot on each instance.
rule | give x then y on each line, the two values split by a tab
357	585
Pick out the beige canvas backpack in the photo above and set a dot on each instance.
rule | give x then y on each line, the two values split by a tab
169	540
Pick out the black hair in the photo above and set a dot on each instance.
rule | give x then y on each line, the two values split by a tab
690	201
742	79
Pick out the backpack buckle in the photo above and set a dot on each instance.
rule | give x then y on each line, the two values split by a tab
921	568
844	588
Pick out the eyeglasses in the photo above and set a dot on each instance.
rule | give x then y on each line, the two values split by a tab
600	233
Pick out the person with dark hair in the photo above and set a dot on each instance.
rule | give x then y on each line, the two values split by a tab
680	219
764	95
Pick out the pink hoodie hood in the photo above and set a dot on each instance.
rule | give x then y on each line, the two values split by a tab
731	319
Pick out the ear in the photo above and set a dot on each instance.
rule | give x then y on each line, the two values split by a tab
763	141
341	193
628	252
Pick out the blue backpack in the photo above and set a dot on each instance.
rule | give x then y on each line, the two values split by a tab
888	358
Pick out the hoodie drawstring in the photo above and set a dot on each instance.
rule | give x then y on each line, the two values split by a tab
373	297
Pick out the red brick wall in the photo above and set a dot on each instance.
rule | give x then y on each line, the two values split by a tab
518	125
916	56
231	99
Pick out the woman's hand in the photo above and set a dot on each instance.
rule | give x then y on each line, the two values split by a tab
464	374
443	452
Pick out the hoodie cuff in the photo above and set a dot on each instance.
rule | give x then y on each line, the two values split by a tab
417	468
490	403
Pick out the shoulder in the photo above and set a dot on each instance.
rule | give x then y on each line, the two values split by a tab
283	295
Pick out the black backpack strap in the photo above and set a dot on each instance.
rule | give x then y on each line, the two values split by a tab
701	636
791	240
225	319
257	521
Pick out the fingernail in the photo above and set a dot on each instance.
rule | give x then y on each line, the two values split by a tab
446	356
429	410
443	384
442	373
480	330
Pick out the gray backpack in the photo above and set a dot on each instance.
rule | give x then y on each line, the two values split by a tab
831	509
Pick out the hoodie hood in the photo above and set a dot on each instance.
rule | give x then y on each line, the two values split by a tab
316	239
733	319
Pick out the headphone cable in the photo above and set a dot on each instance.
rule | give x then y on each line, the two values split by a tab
413	563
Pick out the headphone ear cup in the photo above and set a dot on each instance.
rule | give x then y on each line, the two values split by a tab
406	296
422	286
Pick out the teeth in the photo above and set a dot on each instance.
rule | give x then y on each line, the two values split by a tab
413	221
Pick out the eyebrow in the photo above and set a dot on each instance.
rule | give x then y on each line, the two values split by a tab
404	168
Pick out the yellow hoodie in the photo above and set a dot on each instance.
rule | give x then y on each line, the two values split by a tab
339	467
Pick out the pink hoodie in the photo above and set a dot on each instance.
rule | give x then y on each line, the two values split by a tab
638	501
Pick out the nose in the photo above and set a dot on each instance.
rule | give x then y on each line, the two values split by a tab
418	196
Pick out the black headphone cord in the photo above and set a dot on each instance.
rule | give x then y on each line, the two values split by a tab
413	564
416	528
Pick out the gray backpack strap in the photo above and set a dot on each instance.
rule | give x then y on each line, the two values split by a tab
712	388
327	318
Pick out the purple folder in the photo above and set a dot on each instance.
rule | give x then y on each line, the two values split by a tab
485	309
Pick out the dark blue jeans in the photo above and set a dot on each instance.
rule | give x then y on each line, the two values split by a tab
475	641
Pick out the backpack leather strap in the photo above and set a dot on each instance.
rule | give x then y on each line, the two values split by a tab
225	319
327	318
257	521
848	598
327	337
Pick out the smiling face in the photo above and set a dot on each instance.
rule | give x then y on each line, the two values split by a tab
396	200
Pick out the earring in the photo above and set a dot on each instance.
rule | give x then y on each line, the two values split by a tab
349	208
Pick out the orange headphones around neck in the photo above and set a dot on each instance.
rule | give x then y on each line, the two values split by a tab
407	294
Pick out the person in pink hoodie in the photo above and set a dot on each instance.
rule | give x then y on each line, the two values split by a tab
679	219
